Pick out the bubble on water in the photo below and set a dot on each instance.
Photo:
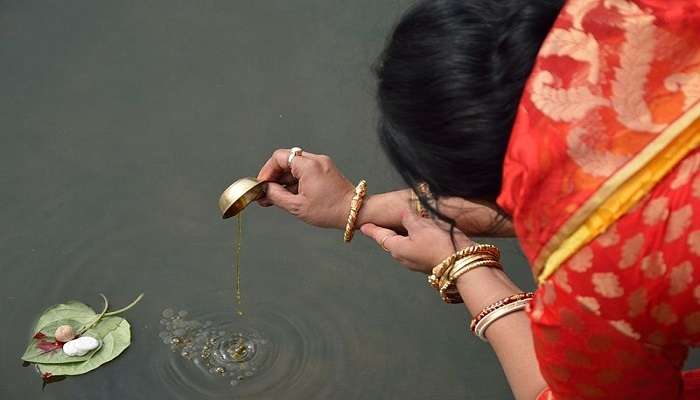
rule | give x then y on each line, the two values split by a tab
274	351
168	313
217	351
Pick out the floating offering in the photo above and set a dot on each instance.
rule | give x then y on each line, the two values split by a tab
65	333
71	338
80	346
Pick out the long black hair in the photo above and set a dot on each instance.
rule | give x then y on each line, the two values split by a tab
450	80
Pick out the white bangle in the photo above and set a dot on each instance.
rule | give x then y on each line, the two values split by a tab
496	314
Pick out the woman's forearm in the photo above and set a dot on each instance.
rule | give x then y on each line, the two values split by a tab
385	209
510	336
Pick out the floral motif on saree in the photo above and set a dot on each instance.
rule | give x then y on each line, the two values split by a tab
611	106
602	178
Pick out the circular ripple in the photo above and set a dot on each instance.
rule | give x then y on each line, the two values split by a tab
270	352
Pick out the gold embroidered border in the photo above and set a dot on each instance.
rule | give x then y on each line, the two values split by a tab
621	192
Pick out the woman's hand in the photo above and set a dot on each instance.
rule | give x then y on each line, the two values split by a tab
426	245
313	189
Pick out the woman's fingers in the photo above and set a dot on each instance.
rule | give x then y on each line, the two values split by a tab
274	167
286	180
386	238
276	170
277	167
412	222
281	197
377	232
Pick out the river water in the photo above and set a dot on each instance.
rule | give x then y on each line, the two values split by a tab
122	122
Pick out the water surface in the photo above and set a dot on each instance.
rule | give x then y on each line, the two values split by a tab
121	124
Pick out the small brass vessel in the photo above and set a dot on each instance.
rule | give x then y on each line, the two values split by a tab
241	193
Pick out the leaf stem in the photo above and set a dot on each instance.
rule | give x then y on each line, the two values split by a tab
97	319
121	310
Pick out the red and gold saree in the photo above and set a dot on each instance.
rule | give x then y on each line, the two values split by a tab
602	178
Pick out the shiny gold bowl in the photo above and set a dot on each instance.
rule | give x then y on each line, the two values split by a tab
241	193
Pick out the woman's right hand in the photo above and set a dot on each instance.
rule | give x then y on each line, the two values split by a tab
313	189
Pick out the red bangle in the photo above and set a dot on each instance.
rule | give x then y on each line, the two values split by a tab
495	306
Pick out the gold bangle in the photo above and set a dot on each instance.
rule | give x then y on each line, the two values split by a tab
440	269
355	206
449	292
459	264
445	274
485	262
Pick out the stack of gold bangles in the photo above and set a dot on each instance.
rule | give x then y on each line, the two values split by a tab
446	273
355	205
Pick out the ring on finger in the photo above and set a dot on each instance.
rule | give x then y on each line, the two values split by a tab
293	152
382	245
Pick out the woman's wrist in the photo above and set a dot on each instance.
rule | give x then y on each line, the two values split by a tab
384	209
484	286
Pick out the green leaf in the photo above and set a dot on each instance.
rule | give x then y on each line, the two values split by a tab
73	313
117	337
36	355
73	310
113	332
104	327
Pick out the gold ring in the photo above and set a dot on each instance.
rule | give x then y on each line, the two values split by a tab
381	243
293	152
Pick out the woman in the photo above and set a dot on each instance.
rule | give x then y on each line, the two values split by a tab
573	126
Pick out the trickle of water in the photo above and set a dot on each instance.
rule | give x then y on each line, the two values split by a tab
239	239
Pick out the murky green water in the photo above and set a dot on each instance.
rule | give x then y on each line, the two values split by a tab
122	122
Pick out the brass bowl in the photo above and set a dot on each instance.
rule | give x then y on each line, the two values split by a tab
241	193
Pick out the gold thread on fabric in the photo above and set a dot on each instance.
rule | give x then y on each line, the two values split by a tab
621	192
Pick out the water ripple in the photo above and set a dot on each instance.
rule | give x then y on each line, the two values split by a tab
283	353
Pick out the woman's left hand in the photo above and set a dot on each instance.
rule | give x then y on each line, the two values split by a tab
426	245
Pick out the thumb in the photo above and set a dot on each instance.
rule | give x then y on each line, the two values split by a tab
375	232
281	197
384	237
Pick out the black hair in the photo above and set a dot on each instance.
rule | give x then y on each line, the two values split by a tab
450	80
